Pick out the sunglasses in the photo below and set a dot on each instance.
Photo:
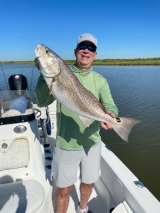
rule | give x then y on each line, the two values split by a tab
89	47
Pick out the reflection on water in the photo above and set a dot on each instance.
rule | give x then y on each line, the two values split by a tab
135	90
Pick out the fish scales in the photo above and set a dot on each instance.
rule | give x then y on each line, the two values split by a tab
68	87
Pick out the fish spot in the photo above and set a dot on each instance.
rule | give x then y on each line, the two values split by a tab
118	120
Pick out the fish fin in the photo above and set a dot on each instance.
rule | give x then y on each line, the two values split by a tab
123	126
50	88
86	121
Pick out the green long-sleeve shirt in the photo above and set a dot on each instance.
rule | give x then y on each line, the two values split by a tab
72	134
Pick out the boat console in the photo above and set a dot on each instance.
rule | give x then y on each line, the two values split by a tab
15	104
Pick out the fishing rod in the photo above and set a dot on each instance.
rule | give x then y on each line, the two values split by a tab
4	76
0	103
31	77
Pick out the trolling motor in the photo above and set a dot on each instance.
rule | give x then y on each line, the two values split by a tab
18	82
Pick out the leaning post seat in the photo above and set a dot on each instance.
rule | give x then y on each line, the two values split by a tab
22	196
14	154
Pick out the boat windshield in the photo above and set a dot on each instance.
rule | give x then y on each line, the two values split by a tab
15	107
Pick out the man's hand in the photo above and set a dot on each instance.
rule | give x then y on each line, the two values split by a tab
36	63
106	125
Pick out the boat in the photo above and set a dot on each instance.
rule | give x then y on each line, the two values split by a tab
27	141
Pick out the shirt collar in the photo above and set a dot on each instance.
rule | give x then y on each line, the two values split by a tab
76	70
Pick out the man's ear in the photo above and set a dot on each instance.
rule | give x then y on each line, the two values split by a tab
75	51
95	55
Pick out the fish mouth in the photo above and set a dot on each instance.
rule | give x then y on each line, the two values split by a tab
37	50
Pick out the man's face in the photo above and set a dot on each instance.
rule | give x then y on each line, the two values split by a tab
84	58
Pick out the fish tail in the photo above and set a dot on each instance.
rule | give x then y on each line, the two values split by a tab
123	126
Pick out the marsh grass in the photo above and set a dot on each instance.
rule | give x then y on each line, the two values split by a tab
118	62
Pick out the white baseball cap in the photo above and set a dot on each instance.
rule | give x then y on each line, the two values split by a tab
87	37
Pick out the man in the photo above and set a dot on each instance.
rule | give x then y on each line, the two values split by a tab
76	144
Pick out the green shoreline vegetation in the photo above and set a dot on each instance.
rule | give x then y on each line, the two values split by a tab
118	62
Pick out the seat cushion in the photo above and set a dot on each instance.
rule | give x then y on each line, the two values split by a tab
21	197
14	153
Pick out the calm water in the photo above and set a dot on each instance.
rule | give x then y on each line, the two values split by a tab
136	92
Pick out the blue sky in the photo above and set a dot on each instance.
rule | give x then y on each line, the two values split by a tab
124	28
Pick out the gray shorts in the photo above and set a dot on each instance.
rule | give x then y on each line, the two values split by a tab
66	163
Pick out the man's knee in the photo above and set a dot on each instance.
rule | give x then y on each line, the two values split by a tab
64	192
89	186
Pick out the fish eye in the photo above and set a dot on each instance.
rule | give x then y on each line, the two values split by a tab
118	120
46	51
